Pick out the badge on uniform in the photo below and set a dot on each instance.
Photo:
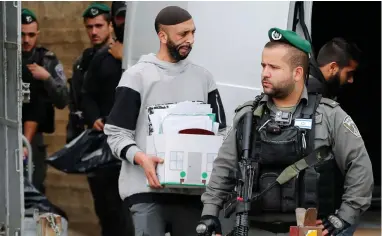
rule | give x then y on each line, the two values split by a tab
60	71
350	125
303	123
276	35
94	11
29	19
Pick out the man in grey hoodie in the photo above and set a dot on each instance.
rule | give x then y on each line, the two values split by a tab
166	77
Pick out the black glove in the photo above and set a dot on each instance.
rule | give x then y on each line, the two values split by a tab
207	225
335	225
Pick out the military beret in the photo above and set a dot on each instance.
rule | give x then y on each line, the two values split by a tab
27	16
290	37
96	9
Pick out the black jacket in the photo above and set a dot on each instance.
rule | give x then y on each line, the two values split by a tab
99	86
316	82
44	95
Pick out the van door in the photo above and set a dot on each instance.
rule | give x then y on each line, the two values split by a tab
300	18
11	169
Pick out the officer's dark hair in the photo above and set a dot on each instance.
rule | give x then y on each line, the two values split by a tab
340	51
106	16
295	57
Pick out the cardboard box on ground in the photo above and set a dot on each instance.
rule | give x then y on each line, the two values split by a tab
177	133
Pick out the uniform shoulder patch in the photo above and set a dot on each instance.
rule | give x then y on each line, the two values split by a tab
329	102
350	125
60	71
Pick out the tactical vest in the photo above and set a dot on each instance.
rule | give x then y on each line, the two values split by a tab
319	186
37	90
78	77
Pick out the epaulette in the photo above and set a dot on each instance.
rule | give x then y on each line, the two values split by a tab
50	54
249	103
329	102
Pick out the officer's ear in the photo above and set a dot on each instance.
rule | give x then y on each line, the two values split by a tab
298	74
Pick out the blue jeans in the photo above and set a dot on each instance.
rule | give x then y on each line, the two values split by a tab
349	231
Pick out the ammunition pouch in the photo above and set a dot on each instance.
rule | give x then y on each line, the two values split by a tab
280	199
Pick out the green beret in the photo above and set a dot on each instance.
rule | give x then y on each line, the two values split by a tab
290	37
27	16
96	9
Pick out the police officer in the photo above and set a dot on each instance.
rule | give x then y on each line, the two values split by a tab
337	61
45	74
97	21
101	79
293	125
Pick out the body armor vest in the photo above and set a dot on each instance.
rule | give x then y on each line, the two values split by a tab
274	148
37	90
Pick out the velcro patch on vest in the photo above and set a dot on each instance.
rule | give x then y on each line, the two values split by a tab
350	125
303	123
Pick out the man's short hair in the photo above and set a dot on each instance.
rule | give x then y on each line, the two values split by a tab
295	56
171	15
340	51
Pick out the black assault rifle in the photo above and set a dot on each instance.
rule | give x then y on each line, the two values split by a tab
241	201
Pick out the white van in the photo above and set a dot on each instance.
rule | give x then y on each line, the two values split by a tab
230	37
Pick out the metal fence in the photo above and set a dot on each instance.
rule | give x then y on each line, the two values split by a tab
11	168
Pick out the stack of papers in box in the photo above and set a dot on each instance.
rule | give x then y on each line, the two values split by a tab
172	118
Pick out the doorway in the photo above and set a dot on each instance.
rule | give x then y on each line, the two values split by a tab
359	22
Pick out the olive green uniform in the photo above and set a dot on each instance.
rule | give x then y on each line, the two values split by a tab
335	129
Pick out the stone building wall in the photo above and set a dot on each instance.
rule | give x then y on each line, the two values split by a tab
62	31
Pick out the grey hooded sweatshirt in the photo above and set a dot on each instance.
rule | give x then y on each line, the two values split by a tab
150	82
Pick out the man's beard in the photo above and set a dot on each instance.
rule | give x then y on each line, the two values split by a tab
282	91
104	42
333	85
27	45
174	51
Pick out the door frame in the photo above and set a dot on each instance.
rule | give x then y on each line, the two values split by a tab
301	10
11	164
